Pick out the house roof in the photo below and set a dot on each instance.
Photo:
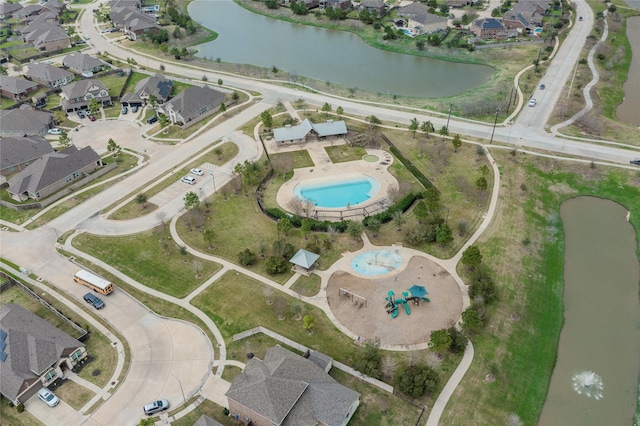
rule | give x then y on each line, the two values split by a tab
157	85
78	89
512	15
428	18
81	62
9	8
489	23
32	346
28	10
54	6
190	101
14	151
15	85
304	258
205	420
52	168
290	133
47	72
20	121
372	3
415	8
45	32
291	390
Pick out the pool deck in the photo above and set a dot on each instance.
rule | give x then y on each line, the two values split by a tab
325	169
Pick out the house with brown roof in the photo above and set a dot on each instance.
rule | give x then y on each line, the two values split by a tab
33	353
154	85
288	389
16	88
47	37
487	27
78	94
192	105
458	3
83	64
336	4
52	172
25	122
17	153
133	22
48	75
376	6
7	10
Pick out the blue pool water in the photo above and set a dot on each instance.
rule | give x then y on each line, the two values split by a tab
407	32
338	194
376	262
538	30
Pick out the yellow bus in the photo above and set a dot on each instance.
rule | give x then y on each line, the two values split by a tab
93	281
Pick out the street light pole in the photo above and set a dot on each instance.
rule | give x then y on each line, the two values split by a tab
449	116
494	125
180	383
214	180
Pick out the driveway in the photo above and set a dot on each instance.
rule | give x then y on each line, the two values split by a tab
169	357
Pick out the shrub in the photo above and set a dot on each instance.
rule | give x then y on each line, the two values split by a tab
369	361
471	321
20	408
276	265
458	340
482	285
246	257
417	380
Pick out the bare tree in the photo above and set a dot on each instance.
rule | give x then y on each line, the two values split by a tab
393	192
161	217
296	205
282	164
388	366
197	268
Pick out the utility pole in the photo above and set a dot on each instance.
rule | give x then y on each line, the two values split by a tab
494	125
510	97
450	105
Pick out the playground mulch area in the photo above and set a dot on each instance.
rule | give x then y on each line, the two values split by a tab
373	321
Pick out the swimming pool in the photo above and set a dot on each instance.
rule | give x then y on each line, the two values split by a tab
407	32
377	262
338	193
538	30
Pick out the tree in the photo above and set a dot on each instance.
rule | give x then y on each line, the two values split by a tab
481	183
421	210
308	323
223	107
426	127
283	249
355	229
420	44
471	321
413	126
267	119
276	265
141	199
191	200
444	235
339	110
219	82
398	219
209	236
374	226
246	257
64	140
326	108
284	226
368	361
482	285
113	147
440	341
444	131
374	121
305	227
59	116
153	101
149	421
472	257
458	340
162	67
456	142
164	121
432	199
417	380
94	105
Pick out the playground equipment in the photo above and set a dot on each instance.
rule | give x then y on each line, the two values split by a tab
418	293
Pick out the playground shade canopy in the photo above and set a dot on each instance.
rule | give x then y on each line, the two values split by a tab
418	291
304	259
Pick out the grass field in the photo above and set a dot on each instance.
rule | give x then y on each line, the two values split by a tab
524	246
11	416
152	258
74	394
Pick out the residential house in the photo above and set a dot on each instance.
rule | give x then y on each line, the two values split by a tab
25	122
77	95
134	4
486	27
373	6
426	23
458	3
33	353
205	420
155	85
133	22
336	4
513	20
532	6
299	133
53	6
288	389
52	172
48	75
193	104
47	37
83	64
16	88
7	10
27	11
413	9
18	153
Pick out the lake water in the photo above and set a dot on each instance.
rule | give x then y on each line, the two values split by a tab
601	333
327	55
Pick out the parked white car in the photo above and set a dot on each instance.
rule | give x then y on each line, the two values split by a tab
532	103
55	131
48	397
197	172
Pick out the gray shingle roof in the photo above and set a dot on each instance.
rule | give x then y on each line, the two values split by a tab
33	345
428	18
46	72
45	32
24	121
157	85
205	420
16	85
52	168
15	151
192	100
290	133
415	8
489	23
9	8
288	388
80	88
79	62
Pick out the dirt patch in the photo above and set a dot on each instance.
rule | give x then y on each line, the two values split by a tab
562	188
373	321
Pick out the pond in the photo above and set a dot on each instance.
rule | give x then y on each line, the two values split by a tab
338	57
595	379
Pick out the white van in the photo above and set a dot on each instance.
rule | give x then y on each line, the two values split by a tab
189	180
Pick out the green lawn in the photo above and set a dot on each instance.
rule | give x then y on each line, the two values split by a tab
307	286
152	258
345	153
74	394
522	351
11	416
208	408
115	83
